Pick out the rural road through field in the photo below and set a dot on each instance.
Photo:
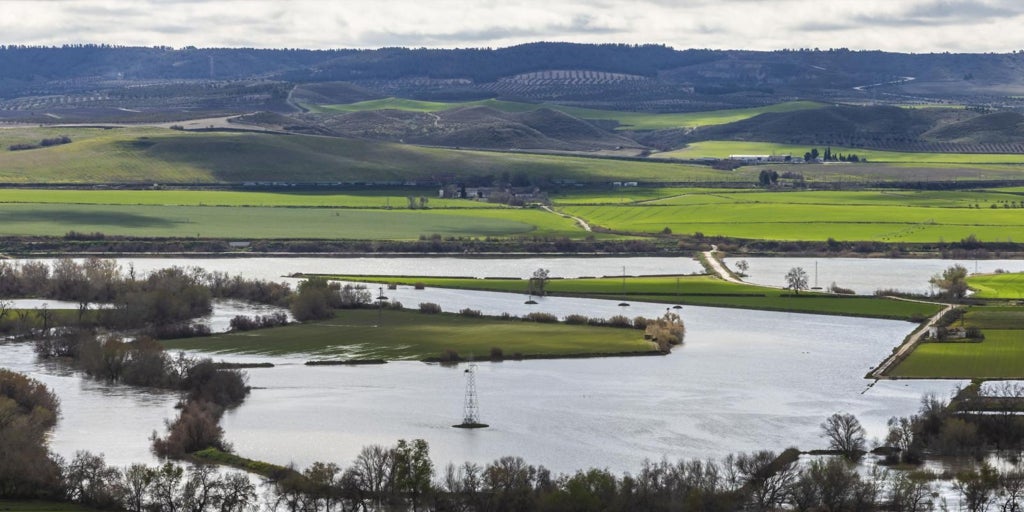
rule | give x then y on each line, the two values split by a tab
718	267
583	224
907	346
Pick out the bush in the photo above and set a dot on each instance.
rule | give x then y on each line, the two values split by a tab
640	322
839	290
430	308
419	286
470	312
449	356
394	305
195	428
497	354
575	319
619	321
599	322
974	333
540	317
177	331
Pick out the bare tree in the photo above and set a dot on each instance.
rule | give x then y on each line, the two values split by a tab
742	266
845	434
796	279
539	281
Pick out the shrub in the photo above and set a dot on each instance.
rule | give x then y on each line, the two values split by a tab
470	312
538	316
394	305
597	321
974	333
449	356
620	321
640	322
419	286
429	308
575	319
497	354
839	290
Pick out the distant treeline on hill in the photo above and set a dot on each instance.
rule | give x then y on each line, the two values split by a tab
830	67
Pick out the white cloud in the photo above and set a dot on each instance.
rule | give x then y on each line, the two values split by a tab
911	25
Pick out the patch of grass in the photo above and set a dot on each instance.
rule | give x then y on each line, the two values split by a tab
152	155
393	199
887	223
722	149
355	334
998	286
626	120
215	456
999	356
281	223
694	290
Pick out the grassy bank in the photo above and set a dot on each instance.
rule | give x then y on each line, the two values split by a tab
809	221
153	155
692	290
410	335
999	356
282	223
626	120
997	286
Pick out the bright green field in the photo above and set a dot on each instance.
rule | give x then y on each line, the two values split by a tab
627	120
722	149
362	199
999	356
921	198
997	286
695	290
270	222
353	334
153	155
885	223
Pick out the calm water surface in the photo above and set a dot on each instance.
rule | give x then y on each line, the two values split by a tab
865	275
744	380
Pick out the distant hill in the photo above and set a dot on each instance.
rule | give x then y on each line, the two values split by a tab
478	127
649	78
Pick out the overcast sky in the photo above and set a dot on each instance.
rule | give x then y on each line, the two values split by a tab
895	25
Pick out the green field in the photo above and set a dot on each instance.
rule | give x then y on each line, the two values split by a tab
691	290
153	155
283	223
354	334
781	221
626	120
999	356
722	149
393	199
997	286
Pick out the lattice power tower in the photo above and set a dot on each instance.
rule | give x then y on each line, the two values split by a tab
471	407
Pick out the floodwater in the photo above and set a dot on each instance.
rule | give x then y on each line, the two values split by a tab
744	380
113	420
865	275
274	268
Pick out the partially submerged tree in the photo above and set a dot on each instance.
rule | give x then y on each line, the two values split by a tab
539	281
845	434
796	279
952	282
